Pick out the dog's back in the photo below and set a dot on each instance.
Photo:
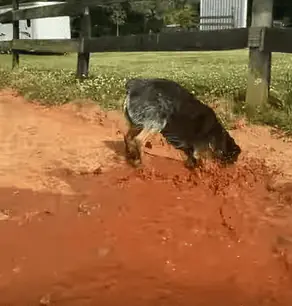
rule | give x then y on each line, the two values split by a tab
177	112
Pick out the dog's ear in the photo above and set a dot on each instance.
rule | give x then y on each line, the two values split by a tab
232	146
219	141
232	150
225	147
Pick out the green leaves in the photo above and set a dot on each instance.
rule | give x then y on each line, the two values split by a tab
187	17
213	76
118	15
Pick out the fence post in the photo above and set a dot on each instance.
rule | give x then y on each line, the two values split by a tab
259	74
15	54
83	56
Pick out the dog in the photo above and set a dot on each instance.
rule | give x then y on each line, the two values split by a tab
157	105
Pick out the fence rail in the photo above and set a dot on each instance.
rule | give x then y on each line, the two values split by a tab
266	39
185	41
5	46
46	45
277	40
260	39
71	8
56	10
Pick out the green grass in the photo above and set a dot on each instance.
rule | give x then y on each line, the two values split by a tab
51	79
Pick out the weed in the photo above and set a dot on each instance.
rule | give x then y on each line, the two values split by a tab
51	79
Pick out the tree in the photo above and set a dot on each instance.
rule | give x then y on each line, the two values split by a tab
150	8
178	4
153	11
187	17
118	17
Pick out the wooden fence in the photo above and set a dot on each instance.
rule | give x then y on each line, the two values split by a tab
260	38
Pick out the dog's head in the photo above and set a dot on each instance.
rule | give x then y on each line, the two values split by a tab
225	148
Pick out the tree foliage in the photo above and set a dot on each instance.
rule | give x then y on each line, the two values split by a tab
118	17
150	8
187	17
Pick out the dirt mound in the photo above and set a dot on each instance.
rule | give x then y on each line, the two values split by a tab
36	140
90	112
80	227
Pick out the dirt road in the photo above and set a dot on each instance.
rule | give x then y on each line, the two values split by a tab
79	227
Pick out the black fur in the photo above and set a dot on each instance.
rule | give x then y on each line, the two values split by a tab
161	105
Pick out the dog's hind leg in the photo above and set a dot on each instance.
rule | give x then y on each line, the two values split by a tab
133	153
134	140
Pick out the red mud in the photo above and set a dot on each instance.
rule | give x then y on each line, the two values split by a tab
80	227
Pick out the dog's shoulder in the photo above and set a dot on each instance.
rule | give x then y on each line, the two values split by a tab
135	82
151	82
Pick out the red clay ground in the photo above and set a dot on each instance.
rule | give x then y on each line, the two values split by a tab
79	227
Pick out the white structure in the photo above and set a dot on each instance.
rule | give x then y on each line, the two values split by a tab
224	14
42	28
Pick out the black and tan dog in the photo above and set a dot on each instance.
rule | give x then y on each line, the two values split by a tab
163	106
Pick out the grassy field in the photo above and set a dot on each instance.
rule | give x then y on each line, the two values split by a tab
51	79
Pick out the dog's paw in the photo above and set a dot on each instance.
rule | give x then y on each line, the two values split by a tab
134	162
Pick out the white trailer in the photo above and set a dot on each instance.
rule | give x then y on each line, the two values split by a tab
41	28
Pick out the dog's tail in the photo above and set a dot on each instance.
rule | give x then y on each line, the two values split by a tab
126	106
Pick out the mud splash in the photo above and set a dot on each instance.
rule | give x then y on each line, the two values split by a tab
172	232
211	175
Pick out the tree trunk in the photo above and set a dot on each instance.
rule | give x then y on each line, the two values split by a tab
118	30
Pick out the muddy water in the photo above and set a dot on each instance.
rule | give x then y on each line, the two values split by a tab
159	235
